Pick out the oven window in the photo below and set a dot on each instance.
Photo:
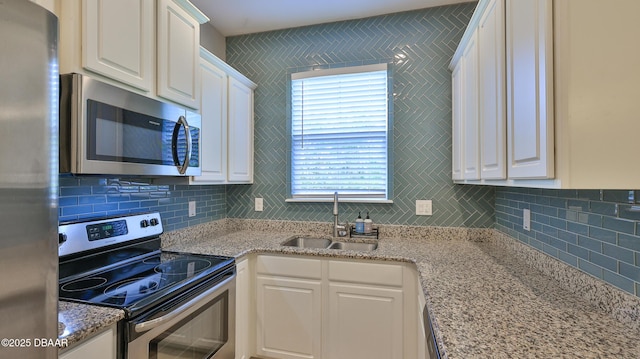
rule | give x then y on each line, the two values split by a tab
198	336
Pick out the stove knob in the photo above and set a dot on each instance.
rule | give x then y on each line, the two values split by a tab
144	223
61	238
143	289
154	221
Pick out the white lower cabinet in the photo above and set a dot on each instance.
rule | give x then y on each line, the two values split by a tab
244	309
99	346
334	309
289	307
365	322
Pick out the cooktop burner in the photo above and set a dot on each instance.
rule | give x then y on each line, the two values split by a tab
118	262
183	266
159	275
83	284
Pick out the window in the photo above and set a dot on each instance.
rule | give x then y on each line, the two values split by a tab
340	133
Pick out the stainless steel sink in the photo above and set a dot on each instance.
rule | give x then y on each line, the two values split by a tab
307	242
321	243
354	246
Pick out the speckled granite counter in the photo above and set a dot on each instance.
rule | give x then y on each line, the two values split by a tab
485	298
79	321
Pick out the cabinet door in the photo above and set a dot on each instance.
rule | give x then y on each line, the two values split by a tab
457	143
178	54
289	318
240	133
492	99
243	310
530	123
117	40
99	346
365	322
213	109
470	135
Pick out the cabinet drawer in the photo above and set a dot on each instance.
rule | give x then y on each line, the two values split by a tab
289	267
366	273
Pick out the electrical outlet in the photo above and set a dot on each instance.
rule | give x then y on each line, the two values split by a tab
424	207
526	219
192	208
259	205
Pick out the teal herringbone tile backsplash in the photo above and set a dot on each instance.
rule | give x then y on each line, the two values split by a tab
420	45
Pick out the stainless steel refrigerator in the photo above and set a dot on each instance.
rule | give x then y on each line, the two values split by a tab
28	179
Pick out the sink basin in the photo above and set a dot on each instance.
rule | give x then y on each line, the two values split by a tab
354	246
307	242
321	243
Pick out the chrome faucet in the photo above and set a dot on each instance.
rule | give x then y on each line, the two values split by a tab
339	230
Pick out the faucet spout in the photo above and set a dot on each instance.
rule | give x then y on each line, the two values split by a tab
339	230
335	214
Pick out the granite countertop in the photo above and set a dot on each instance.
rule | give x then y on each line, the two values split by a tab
484	299
78	321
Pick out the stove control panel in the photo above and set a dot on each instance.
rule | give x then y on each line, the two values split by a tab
96	233
106	230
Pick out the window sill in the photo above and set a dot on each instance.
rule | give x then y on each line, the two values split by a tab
341	200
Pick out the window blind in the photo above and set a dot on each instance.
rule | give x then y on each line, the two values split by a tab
339	133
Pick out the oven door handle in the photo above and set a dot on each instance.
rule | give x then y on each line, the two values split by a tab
153	323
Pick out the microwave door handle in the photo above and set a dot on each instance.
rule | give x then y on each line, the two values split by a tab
182	168
154	323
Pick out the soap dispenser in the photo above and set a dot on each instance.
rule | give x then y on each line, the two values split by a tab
359	224
368	224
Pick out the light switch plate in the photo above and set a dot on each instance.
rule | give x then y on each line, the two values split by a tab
192	208
259	205
424	207
526	219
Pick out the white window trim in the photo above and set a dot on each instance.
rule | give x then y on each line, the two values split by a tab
350	199
339	71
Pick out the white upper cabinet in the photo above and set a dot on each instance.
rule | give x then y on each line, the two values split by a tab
596	93
118	40
213	109
457	143
178	54
470	150
491	92
530	130
240	140
466	151
150	47
569	95
227	123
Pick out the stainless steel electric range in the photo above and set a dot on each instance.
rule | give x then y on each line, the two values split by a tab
177	305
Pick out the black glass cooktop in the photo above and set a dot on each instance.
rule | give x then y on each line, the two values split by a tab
138	285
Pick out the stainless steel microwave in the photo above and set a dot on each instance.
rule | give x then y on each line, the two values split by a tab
108	130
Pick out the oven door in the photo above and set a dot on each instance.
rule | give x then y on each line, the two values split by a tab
201	326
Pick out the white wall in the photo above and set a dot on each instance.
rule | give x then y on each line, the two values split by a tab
47	4
212	40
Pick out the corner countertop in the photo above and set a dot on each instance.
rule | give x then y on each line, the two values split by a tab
77	321
484	297
484	300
